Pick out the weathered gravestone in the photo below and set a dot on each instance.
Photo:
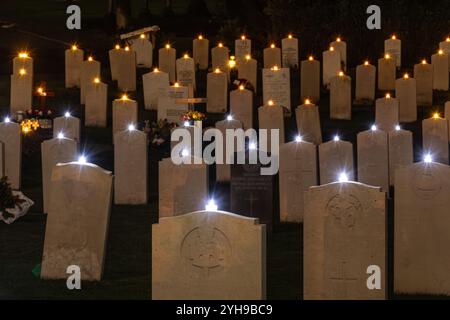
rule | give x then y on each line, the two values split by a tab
310	80
78	220
440	62
344	233
217	92
423	73
277	86
11	137
386	73
335	158
168	107
435	138
90	69
298	172
96	105
241	106
386	113
73	60
308	123
67	125
289	49
182	188
54	151
421	257
365	83
341	97
167	61
223	171
405	91
373	160
156	85
272	57
130	167
208	256
400	151
124	113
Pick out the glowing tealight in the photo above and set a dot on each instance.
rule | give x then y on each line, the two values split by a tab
341	73
186	56
307	101
67	114
60	135
156	70
424	61
90	59
338	39
220	45
387	56
397	128
211	206
388	95
441	52
406	76
176	84
127	48
40	90
343	177
124	97
248	57
97	80
272	46
200	37
311	58
167	46
22	72
366	63
290	36
241	87
117	47
331	48
270	103
243	37
436	116
275	68
7	120
394	37
131	127
229	117
374	128
298	139
142	36
448	39
217	70
23	55
336	138
82	160
74	47
428	158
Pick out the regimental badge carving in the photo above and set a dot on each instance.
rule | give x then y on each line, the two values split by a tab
206	252
345	210
426	184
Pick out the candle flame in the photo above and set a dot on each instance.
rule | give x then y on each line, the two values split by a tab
388	95
22	72
142	36
436	115
424	61
272	46
168	46
270	102
74	47
124	97
90	59
311	58
406	76
241	87
97	80
243	37
23	55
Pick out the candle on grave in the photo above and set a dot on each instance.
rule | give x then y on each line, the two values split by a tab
310	79
21	91
331	65
90	69
435	137
23	61
167	61
272	56
156	85
126	72
217	92
201	52
341	46
423	73
387	113
365	82
114	58
386	73
393	47
289	49
241	106
220	57
405	91
73	59
185	67
242	48
143	48
440	64
96	104
125	111
445	46
341	97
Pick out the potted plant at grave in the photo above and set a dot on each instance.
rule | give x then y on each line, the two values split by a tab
193	118
13	204
159	134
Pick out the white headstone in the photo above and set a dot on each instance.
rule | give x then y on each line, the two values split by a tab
331	65
373	160
341	97
386	113
393	47
440	64
77	223
217	92
67	125
400	152
344	233
310	80
96	105
195	254
386	73
73	60
182	188
242	48
277	87
405	91
447	116
289	49
201	53
298	172
21	93
421	228
114	60
435	139
186	72
223	171
220	57
241	107
167	62
124	113
341	46
11	137
272	57
169	109
365	83
54	151
130	167
144	51
308	123
272	117
423	73
90	69
445	46
126	74
336	158
156	85
248	70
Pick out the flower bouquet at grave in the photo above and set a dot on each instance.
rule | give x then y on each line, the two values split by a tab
13	204
159	132
43	115
193	116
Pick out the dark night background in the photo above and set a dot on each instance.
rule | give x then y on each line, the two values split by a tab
40	28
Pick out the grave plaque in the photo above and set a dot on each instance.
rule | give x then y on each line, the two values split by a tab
277	87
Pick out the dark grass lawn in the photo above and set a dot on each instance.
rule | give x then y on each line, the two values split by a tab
127	273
